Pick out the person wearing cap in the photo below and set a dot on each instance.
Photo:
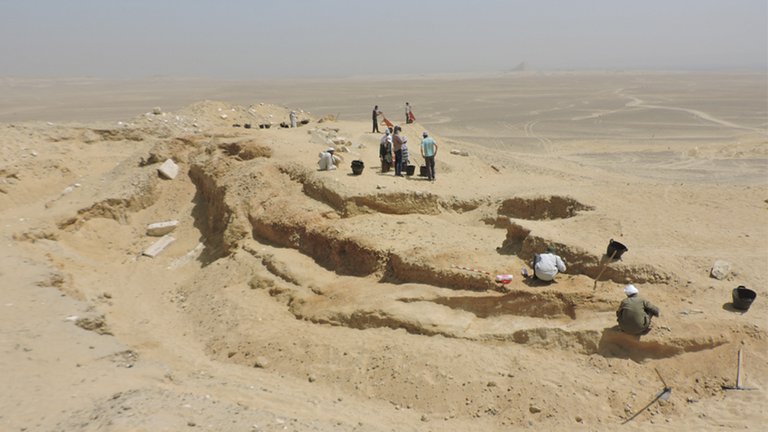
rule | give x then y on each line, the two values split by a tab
547	265
328	160
635	313
385	151
428	152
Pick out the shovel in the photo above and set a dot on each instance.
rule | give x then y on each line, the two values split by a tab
602	269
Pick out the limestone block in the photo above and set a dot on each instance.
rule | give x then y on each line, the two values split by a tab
168	169
720	269
158	229
158	246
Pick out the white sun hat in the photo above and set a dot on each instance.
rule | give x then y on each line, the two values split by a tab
630	290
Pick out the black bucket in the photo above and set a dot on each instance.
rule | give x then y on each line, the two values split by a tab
423	171
357	167
615	249
410	169
743	297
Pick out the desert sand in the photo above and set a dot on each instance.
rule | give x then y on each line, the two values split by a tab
296	299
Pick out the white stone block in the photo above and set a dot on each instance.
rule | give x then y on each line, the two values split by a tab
158	229
720	269
158	246
168	169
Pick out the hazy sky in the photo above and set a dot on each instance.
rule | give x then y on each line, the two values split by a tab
243	39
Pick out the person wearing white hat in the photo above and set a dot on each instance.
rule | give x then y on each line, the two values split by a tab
385	151
634	314
328	160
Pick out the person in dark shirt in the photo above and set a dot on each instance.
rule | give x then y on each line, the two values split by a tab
634	314
375	118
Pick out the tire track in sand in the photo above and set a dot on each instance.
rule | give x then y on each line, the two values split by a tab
546	143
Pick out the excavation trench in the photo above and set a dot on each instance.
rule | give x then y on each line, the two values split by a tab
521	243
129	194
542	208
548	304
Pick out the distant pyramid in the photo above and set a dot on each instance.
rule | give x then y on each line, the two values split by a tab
521	67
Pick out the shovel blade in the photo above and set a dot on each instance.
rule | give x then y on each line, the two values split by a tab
664	394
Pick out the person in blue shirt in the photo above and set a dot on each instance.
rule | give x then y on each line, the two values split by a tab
428	152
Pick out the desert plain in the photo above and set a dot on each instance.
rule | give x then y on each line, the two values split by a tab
296	299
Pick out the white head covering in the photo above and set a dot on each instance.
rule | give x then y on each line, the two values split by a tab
330	149
630	290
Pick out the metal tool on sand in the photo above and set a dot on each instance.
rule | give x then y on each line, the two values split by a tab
663	395
738	377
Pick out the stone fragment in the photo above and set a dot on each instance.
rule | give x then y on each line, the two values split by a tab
158	229
720	269
261	362
95	324
157	111
158	246
534	409
168	169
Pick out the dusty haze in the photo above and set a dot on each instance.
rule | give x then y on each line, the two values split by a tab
245	39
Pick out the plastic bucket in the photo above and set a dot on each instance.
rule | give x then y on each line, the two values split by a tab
410	169
357	167
743	297
615	249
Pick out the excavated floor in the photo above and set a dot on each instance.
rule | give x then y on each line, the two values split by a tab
418	289
387	285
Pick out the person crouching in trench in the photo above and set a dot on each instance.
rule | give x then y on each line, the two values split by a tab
635	313
328	160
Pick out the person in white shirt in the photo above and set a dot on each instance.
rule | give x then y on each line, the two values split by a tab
385	151
328	160
547	265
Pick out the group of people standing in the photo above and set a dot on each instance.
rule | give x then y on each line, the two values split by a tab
393	148
409	117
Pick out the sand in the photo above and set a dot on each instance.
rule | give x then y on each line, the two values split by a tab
295	299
